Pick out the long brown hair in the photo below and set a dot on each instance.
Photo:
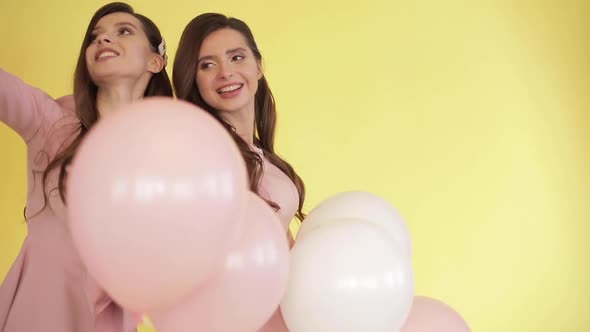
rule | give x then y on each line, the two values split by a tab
85	91
184	80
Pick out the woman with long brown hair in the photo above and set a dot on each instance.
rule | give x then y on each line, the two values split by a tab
122	59
218	67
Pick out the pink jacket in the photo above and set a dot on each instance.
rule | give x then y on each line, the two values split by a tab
47	287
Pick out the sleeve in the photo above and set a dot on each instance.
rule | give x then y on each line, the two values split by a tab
22	107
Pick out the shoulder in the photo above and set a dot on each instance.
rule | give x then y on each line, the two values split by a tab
59	126
67	104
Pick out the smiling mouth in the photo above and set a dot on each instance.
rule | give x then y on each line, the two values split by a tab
230	88
106	54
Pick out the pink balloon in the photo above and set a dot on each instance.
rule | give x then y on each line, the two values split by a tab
250	286
153	192
431	315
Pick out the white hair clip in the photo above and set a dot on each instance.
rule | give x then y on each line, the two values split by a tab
162	51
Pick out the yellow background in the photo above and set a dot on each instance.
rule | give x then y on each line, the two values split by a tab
471	117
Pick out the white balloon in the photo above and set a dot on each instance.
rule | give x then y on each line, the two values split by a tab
359	205
348	277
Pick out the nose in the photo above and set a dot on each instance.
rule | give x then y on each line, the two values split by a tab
226	70
103	38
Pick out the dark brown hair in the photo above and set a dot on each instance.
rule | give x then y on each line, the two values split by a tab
184	80
85	91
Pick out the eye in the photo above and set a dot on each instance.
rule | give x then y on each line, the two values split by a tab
237	57
206	65
125	31
93	37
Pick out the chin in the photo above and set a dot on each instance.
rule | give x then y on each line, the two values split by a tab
230	108
104	78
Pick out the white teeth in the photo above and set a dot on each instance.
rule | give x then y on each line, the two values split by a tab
107	53
230	88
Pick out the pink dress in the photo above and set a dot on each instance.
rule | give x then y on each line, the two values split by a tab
277	187
47	288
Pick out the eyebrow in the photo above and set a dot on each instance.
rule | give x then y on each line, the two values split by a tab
117	24
233	50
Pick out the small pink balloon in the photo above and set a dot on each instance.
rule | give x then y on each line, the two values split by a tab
153	192
431	315
248	289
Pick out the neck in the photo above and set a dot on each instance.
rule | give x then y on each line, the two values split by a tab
243	122
109	98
